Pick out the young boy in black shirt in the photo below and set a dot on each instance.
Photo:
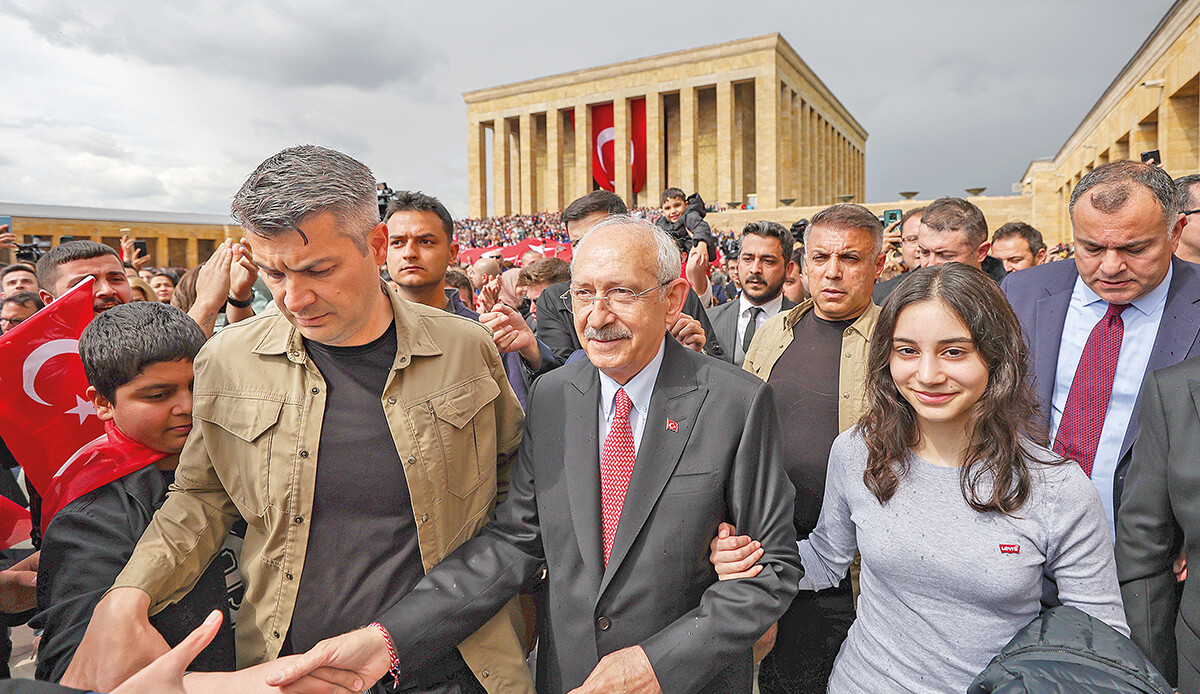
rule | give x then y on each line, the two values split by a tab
138	361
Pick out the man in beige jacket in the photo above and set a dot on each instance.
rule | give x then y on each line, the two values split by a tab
815	358
361	437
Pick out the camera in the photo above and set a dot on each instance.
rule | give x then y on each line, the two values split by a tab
31	252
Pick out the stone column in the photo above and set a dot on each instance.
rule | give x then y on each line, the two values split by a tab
655	146
583	151
528	170
797	191
623	175
501	168
1177	135
724	142
162	249
554	147
766	139
193	252
476	170
786	165
687	140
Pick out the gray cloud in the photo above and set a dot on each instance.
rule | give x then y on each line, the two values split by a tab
300	44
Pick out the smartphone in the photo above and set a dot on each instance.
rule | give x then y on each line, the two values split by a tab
140	249
7	221
891	216
1151	157
65	239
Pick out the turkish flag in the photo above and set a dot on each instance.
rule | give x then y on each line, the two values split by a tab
45	416
15	523
604	135
108	457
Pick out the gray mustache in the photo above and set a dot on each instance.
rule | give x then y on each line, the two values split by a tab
608	332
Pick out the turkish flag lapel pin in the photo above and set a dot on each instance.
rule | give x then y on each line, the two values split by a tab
672	426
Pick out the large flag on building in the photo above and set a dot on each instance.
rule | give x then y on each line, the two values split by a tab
604	135
45	416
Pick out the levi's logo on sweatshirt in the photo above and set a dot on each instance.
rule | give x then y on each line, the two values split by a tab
1010	549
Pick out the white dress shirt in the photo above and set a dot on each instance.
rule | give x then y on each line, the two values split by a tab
639	389
1141	327
769	309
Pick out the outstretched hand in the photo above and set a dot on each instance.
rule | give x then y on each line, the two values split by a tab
355	660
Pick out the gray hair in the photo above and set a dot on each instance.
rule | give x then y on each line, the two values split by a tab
666	250
1117	177
305	180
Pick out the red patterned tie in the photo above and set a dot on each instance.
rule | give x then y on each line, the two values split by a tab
616	466
1087	402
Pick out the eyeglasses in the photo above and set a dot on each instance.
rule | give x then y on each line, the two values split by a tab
9	323
1188	212
616	299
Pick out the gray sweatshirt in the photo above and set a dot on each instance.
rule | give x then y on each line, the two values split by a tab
945	587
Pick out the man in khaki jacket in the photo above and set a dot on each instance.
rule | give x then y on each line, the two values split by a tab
815	358
361	437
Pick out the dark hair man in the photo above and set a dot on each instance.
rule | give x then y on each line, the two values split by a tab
555	325
815	358
953	230
1019	246
1098	325
764	259
634	606
1188	188
70	263
361	437
16	309
15	279
420	249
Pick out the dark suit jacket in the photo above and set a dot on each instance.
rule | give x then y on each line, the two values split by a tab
1160	513
724	321
557	329
658	588
1041	295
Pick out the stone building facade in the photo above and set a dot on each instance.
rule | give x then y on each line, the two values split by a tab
738	122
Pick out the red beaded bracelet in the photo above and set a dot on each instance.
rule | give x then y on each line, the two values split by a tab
387	639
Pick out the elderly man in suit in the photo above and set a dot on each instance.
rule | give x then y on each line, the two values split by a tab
555	323
1098	325
619	486
763	261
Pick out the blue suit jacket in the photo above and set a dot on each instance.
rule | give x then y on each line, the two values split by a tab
1040	297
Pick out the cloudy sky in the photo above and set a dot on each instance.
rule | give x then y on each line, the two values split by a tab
168	105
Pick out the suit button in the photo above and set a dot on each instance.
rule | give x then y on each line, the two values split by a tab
303	454
391	401
412	459
424	517
298	520
316	391
603	624
486	674
846	396
275	634
288	576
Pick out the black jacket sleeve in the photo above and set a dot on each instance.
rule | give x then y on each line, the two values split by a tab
85	547
553	327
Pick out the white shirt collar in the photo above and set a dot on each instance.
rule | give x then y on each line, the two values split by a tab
639	388
1147	303
770	308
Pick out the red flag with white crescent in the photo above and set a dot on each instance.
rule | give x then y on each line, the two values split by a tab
604	135
45	415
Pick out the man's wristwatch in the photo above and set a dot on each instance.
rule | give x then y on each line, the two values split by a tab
238	303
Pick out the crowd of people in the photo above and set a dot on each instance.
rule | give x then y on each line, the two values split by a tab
835	457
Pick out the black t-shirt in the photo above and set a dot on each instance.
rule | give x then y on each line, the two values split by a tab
362	553
805	381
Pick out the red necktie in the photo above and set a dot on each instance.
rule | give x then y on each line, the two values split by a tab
1087	402
616	466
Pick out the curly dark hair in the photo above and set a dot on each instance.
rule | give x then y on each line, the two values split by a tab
996	476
